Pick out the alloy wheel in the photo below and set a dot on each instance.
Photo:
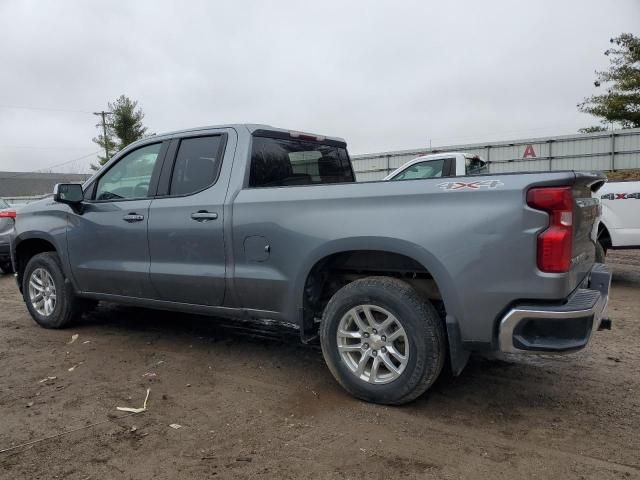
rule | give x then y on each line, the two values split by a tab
373	344
42	292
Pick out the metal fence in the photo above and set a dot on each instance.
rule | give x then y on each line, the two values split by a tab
611	150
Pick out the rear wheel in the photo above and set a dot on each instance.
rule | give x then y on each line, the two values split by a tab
382	341
49	297
5	267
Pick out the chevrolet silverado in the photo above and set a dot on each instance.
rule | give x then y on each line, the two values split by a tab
395	278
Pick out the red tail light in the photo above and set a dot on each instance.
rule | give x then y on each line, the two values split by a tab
8	214
554	243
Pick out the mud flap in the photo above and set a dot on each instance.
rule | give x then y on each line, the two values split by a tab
457	353
308	327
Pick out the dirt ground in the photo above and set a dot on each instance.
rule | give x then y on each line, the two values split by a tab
252	407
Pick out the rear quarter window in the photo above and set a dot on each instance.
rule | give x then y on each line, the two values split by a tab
277	162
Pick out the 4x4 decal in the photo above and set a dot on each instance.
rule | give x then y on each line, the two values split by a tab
477	185
620	196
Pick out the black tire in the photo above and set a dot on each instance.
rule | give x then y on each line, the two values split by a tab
600	253
5	267
67	306
423	326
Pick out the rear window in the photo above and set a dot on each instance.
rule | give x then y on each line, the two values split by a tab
277	162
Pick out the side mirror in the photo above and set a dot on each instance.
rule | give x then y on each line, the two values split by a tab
69	193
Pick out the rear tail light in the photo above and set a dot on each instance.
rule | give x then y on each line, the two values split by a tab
555	243
8	214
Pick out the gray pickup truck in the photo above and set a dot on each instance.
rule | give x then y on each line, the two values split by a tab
395	279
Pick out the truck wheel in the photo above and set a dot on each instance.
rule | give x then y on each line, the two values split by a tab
600	253
382	341
49	297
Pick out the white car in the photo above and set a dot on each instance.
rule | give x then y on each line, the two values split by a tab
620	223
450	164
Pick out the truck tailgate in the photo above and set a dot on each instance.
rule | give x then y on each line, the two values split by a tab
585	219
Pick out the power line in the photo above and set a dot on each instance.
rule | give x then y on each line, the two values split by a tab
20	107
29	147
41	170
102	114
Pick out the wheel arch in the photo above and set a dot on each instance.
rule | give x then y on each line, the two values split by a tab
26	246
390	246
604	236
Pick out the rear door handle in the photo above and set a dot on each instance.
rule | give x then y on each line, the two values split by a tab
133	217
204	216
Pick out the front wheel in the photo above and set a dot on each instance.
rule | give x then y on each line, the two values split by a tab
382	341
49	297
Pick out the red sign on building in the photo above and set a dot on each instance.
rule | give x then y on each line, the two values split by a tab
529	152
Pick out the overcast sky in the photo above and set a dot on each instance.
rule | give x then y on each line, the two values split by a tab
384	75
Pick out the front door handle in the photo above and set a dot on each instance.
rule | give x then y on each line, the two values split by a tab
133	217
204	216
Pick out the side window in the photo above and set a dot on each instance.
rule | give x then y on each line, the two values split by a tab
475	166
430	169
197	165
131	176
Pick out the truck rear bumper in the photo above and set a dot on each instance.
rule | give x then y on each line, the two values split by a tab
558	328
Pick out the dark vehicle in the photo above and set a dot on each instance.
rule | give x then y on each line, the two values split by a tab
394	278
7	220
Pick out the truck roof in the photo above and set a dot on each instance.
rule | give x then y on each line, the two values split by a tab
252	127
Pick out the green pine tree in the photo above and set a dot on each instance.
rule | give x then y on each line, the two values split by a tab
124	126
620	104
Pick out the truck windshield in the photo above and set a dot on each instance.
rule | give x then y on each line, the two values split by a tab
475	166
277	162
429	169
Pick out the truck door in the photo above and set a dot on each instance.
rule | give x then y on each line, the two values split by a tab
186	219
107	240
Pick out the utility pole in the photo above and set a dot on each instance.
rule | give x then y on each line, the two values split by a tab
104	114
